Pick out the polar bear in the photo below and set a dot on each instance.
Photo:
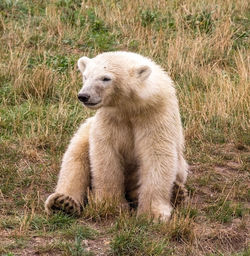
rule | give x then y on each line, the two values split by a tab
133	145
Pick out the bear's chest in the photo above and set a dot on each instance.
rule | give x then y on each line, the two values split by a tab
125	144
115	129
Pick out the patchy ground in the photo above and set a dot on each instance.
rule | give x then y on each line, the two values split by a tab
203	44
213	221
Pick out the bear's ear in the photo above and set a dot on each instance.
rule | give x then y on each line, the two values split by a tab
142	72
82	63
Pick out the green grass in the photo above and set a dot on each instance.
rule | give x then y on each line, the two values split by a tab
204	46
225	211
77	248
137	237
56	222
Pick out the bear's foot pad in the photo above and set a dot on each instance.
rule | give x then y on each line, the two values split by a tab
60	202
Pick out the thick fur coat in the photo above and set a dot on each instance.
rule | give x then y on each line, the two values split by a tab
133	146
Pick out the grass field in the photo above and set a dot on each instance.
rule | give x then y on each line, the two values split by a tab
203	44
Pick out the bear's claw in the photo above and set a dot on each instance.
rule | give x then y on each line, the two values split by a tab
60	202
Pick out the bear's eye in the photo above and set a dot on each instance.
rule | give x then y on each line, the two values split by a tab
106	79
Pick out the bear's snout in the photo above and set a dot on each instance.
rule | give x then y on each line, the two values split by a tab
83	97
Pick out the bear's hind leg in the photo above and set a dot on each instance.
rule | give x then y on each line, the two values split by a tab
180	193
74	177
61	202
182	170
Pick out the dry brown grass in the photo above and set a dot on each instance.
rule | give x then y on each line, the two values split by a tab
204	45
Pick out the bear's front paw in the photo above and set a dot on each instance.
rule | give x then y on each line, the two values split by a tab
159	211
60	202
162	212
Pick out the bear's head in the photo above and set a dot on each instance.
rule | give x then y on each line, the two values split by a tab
111	79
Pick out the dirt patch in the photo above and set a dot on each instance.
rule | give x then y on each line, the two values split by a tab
224	183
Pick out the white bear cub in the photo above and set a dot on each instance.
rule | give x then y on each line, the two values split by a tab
133	147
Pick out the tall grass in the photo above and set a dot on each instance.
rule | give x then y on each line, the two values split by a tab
202	44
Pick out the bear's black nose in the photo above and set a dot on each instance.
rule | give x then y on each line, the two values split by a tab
83	97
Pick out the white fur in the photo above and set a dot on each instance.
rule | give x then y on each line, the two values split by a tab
136	130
